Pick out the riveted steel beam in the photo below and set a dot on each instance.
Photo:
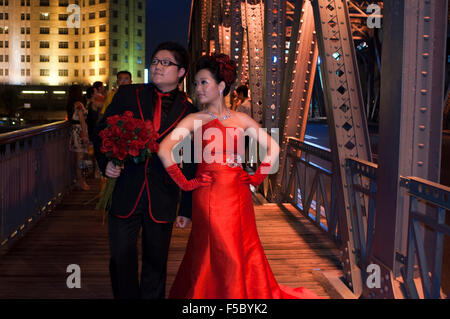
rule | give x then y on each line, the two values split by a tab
255	23
204	13
214	26
347	124
298	83
225	28
237	33
243	69
274	63
274	29
412	99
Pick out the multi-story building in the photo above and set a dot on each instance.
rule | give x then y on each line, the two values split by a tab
60	42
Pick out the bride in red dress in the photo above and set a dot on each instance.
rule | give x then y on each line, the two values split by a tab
224	258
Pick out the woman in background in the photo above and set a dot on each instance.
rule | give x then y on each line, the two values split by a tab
79	139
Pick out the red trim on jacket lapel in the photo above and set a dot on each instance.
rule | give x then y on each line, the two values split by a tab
183	100
146	184
174	123
139	102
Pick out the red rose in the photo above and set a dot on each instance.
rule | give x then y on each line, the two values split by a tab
116	131
120	153
128	114
149	127
133	151
129	126
154	146
127	117
107	146
140	144
112	120
121	143
106	133
144	135
135	148
127	136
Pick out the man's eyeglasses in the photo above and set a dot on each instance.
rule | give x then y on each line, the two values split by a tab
164	62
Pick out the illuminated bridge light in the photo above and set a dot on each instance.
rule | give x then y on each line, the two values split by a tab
34	92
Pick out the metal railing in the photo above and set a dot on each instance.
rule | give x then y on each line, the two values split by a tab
308	184
425	196
361	179
36	169
435	199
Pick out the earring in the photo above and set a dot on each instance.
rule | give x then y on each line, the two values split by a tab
220	92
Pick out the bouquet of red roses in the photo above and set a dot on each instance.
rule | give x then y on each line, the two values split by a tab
125	138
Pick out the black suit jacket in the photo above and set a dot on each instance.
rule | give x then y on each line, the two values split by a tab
149	178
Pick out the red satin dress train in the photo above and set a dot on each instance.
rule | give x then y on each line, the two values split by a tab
224	258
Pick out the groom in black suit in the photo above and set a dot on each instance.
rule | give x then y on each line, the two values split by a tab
144	195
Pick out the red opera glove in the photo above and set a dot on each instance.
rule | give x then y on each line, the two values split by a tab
257	178
178	177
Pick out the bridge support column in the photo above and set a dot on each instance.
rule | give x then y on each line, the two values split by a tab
297	86
412	88
349	136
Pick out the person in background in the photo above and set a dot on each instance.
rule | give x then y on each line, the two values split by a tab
79	138
92	119
245	105
123	78
234	100
93	112
98	98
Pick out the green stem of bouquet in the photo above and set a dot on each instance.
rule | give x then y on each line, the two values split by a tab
104	203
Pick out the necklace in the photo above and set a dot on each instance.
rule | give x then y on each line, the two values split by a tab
223	118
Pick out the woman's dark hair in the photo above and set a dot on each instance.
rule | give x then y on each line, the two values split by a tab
221	67
75	94
97	84
179	53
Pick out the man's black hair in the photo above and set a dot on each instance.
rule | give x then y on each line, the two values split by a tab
179	52
124	72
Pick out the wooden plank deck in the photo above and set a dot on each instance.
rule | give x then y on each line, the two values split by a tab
35	266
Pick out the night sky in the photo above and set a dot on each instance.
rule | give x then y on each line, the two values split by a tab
166	20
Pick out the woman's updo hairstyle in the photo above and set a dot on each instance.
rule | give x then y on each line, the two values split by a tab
221	67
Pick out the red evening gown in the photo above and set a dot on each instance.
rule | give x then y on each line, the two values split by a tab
224	258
